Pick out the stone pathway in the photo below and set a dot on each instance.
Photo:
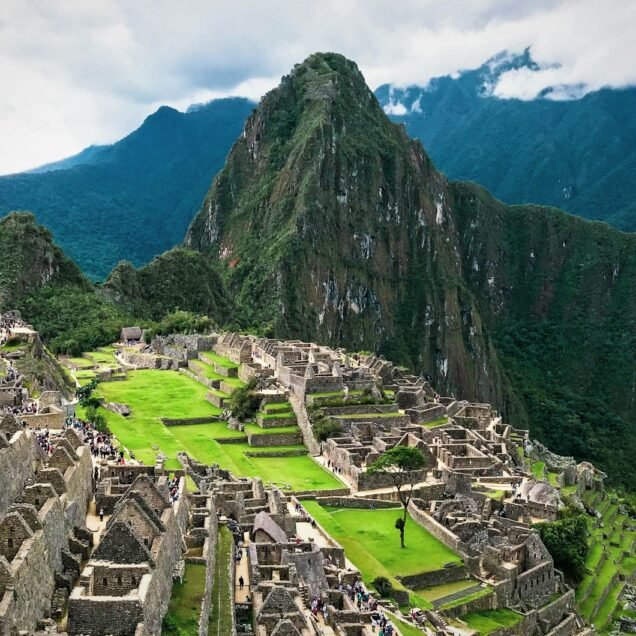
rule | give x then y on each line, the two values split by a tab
304	425
242	569
93	523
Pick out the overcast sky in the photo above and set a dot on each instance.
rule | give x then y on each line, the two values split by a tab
77	72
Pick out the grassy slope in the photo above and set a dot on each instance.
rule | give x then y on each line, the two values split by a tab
153	394
222	593
373	545
185	602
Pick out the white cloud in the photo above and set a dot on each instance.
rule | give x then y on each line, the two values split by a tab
77	72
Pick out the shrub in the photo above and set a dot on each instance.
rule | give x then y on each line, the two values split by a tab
243	403
325	427
98	419
383	586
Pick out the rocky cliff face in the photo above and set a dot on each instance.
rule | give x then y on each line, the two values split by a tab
333	225
330	224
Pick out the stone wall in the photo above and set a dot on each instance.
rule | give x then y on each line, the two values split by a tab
79	488
435	577
209	553
17	465
34	570
54	421
275	439
427	522
157	597
97	615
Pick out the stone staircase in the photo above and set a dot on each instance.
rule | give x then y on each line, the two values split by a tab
303	423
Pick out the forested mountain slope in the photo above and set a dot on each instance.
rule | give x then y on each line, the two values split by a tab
328	223
576	154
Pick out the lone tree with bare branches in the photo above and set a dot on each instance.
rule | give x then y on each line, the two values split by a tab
403	463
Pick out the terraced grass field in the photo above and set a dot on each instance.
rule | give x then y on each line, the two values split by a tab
372	543
488	621
153	394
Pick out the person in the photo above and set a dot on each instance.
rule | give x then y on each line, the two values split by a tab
241	582
101	513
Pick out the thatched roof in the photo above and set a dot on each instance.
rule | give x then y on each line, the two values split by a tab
264	522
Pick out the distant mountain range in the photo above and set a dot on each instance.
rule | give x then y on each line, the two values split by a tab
328	223
134	199
575	154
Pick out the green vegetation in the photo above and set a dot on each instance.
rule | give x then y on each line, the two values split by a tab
215	358
153	394
488	621
368	539
402	463
182	618
538	470
435	423
134	199
590	141
221	614
243	403
566	540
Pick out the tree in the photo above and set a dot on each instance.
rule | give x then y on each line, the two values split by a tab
403	464
85	396
243	402
566	541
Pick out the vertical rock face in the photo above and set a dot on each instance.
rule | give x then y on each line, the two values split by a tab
333	225
329	223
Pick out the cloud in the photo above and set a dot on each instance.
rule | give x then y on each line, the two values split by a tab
77	72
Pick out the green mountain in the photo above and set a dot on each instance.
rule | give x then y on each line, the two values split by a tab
328	223
73	315
578	154
134	199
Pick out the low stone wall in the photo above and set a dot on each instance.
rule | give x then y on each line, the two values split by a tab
216	399
274	453
148	361
314	494
43	420
357	502
274	422
384	422
480	604
435	577
199	377
427	522
275	439
189	420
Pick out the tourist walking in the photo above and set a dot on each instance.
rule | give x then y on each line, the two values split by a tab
241	582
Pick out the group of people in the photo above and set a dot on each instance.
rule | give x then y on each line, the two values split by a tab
8	322
26	408
173	488
43	437
332	466
100	444
319	606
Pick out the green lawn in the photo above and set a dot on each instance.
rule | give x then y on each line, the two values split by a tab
82	363
489	620
277	406
215	358
222	592
273	416
372	543
153	394
440	421
538	469
207	370
103	357
185	602
446	589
